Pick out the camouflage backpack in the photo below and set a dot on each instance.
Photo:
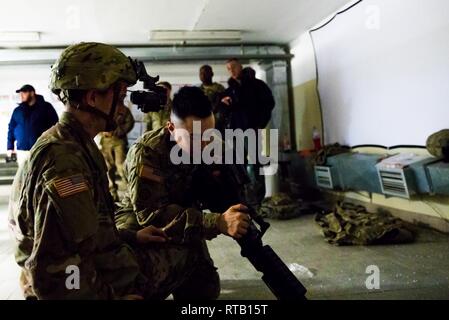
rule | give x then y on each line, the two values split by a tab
438	144
280	206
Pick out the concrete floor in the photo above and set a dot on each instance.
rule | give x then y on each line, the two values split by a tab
413	271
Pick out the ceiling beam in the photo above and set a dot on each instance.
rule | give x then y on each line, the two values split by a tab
191	53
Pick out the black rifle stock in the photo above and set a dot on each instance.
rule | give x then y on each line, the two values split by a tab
276	275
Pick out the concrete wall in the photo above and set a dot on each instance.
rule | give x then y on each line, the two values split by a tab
306	111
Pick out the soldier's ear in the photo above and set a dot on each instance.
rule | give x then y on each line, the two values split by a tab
95	97
170	126
90	98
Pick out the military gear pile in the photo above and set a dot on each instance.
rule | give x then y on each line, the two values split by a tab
349	224
328	151
438	144
280	206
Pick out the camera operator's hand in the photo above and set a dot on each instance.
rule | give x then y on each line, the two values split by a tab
227	101
151	234
234	222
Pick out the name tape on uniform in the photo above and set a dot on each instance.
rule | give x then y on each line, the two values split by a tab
151	174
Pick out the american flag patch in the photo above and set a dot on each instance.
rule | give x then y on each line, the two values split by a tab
70	185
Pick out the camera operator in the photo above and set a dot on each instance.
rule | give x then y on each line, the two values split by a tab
159	119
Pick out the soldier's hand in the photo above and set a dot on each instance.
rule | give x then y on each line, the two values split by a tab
151	234
227	101
234	222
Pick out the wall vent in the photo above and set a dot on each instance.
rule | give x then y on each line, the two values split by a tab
394	182
323	177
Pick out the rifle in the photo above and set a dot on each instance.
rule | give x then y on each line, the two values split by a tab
228	191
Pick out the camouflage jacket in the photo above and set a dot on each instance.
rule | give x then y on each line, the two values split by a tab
125	123
155	120
213	92
160	193
61	214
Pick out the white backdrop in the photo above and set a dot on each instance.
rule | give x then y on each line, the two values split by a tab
383	69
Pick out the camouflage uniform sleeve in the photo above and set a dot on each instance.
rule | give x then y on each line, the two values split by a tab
61	264
210	224
220	88
125	124
155	119
152	120
148	195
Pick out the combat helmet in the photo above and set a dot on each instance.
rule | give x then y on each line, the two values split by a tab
91	65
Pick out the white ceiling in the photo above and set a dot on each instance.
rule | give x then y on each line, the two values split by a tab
130	22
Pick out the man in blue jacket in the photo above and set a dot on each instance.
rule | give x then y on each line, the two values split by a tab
28	121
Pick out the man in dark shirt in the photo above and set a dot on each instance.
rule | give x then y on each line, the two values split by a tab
247	104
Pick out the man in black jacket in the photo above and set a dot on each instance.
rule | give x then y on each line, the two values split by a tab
248	100
32	117
247	104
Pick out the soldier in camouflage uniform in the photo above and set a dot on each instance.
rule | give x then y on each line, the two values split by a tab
114	145
213	91
161	194
61	213
159	119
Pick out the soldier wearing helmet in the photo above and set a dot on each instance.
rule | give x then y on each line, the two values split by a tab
61	213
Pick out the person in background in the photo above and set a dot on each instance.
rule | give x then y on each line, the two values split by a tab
247	104
213	91
114	146
159	119
249	73
32	117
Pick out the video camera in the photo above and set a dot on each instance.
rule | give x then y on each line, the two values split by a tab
154	97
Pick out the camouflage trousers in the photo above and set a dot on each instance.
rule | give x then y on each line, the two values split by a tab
114	153
186	272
